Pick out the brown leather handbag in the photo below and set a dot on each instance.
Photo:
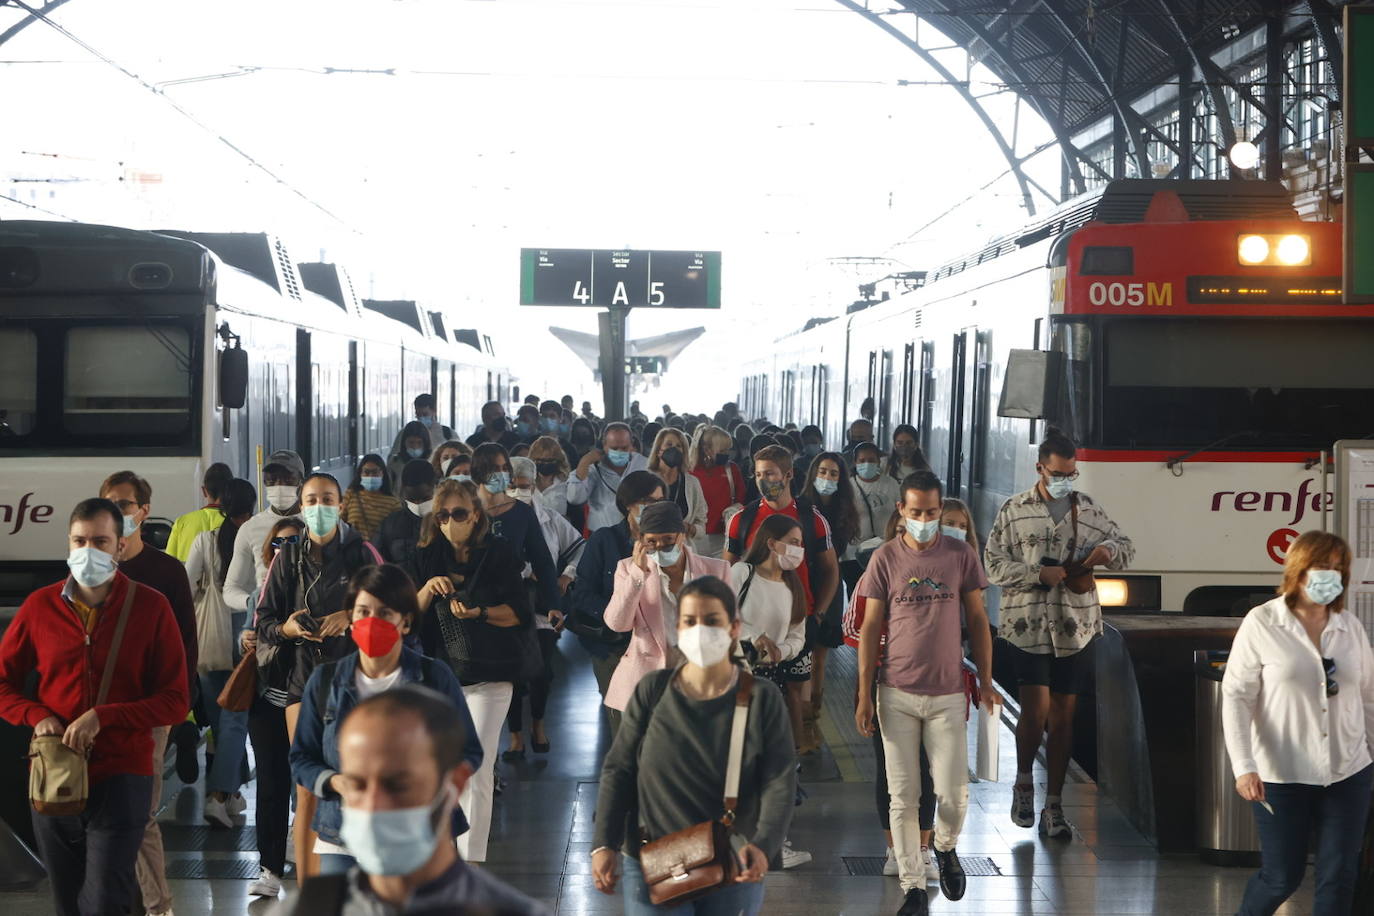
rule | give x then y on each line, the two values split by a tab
1078	578
691	863
242	686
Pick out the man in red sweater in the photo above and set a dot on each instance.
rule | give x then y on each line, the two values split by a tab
64	633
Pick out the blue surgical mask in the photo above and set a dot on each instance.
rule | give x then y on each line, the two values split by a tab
949	531
1059	487
548	425
564	429
523	428
669	556
498	481
395	842
460	477
320	519
428	421
415	452
923	532
91	567
868	469
371	484
130	526
825	486
618	457
1323	585
813	449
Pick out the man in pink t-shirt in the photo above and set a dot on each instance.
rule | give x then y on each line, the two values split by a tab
914	587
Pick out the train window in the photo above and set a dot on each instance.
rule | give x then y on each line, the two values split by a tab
18	381
927	393
127	380
1107	260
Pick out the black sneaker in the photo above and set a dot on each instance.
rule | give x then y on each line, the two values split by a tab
185	737
953	883
917	903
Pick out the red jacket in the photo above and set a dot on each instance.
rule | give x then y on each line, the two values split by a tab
149	684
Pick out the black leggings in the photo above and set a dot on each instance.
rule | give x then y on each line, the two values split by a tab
271	752
537	688
925	815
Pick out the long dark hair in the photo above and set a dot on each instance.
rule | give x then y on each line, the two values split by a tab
841	512
711	587
236	498
775	528
376	459
390	585
918	457
416	429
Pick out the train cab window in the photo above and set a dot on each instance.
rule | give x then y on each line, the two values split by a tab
18	381
1107	260
127	381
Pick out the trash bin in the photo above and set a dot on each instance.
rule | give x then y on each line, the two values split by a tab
1226	833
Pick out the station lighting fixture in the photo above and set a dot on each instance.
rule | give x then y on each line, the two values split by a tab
1244	155
1281	250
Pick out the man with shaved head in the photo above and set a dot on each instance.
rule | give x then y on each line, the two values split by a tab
401	762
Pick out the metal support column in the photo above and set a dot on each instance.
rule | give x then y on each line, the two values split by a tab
613	378
1185	120
1273	95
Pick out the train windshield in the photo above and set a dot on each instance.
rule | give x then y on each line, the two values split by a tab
1235	383
66	384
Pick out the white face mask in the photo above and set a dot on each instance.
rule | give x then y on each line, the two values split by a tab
704	646
524	494
791	556
281	498
420	509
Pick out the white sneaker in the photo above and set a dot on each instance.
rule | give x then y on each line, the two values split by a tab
890	869
236	804
791	858
932	870
267	885
217	814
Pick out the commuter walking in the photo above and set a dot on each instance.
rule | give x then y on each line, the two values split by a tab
645	600
914	588
875	492
402	768
553	467
414	446
552	424
445	452
830	489
494	428
1298	713
482	625
460	468
906	457
59	632
674	751
433	432
281	477
1041	551
399	531
599	474
368	500
668	459
596	579
302	617
217	627
207	518
722	485
383	606
149	566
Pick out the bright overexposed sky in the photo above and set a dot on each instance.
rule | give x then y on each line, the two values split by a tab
774	131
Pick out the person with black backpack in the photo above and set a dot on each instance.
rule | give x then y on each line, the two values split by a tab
384	609
819	573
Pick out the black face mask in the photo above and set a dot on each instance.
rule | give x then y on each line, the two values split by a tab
497	424
546	468
722	460
671	457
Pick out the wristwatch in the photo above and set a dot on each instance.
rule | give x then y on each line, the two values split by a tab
481	615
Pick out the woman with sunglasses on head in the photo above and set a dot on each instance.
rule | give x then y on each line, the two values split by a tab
481	623
668	458
384	608
1298	712
368	499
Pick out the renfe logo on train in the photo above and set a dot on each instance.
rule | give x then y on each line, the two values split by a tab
16	514
1273	501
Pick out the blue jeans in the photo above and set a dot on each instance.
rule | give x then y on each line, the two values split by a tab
1338	813
736	900
230	728
335	864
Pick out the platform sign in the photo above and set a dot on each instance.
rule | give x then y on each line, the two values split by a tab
1358	123
1355	522
604	278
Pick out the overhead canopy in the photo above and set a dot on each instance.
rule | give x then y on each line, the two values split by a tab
588	346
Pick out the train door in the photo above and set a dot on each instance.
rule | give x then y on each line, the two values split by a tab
354	407
925	396
979	375
954	462
907	384
304	402
883	403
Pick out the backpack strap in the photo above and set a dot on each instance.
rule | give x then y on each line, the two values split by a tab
744	589
322	895
746	518
113	658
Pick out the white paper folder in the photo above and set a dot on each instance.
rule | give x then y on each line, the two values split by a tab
989	728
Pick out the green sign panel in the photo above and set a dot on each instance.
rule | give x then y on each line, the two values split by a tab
1357	98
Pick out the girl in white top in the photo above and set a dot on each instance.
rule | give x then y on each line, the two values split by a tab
1298	713
668	459
551	481
875	493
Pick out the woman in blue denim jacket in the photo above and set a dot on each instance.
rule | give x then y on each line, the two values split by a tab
384	610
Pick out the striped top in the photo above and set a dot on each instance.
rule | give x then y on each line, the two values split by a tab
364	510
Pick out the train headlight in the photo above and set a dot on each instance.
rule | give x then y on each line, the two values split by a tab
1112	592
1129	593
1254	249
1294	250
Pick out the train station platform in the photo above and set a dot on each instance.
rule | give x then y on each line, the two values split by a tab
542	832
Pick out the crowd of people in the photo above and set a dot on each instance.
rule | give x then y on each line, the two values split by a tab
368	640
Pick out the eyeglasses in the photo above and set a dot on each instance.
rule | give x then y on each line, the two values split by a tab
1061	475
1332	688
277	542
126	504
460	514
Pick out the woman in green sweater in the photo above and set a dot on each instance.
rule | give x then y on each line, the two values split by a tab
669	758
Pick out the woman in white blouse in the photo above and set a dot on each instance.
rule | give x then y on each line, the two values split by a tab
668	459
1298	712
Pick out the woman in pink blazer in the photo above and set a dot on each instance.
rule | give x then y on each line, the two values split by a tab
644	602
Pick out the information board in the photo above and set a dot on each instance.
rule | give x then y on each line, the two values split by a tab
602	278
1355	522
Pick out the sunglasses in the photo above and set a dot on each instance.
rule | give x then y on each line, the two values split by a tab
1332	688
277	542
458	515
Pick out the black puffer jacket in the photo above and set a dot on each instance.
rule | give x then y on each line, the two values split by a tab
298	580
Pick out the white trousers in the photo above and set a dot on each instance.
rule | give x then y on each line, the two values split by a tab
488	702
909	720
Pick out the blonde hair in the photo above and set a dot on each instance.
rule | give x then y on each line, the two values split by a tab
707	435
429	528
655	453
958	505
1315	548
440	467
546	448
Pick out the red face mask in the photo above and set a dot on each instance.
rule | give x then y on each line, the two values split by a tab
375	636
